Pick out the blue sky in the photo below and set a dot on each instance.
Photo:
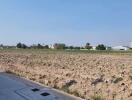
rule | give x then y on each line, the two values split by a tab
73	22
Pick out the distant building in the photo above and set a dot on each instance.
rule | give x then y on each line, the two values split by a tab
51	46
93	48
120	48
131	45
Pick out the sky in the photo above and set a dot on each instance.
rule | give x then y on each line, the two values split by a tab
73	22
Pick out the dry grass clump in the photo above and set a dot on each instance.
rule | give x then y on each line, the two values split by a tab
118	80
96	97
84	75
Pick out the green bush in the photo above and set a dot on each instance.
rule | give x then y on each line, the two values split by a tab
100	47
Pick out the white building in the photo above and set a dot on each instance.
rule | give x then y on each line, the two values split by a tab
51	46
131	45
120	48
93	48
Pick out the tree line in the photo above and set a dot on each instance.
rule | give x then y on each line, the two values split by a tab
61	46
34	46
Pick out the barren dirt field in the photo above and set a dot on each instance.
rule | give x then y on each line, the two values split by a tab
89	76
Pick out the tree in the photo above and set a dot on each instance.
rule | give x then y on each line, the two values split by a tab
34	46
19	45
100	47
71	47
39	46
88	46
24	46
46	47
59	46
78	48
1	45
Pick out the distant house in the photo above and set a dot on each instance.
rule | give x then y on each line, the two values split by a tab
51	46
131	45
120	48
93	48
